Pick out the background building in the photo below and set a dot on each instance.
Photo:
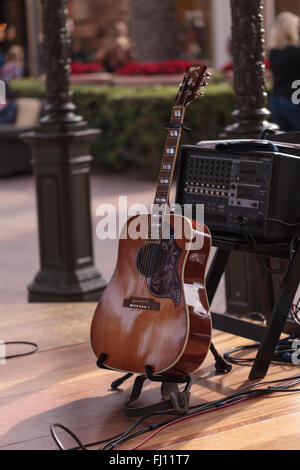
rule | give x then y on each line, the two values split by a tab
203	27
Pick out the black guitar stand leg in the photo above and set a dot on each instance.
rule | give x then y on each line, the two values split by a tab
173	398
278	319
215	272
171	379
221	365
169	389
213	278
116	383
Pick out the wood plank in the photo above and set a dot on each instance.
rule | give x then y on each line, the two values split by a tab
282	432
61	383
50	325
66	387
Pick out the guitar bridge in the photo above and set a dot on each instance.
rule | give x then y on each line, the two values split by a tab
141	303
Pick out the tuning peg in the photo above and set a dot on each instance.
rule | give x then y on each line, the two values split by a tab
207	74
203	84
200	94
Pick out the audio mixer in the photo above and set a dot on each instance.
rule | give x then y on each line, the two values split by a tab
243	191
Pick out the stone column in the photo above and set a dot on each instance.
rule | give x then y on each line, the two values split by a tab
61	163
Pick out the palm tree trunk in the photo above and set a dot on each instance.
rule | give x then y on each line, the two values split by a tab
154	31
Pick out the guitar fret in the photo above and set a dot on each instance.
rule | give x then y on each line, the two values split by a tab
160	199
166	168
175	120
173	133
177	113
172	141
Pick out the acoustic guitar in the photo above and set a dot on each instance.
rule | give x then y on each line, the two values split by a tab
154	311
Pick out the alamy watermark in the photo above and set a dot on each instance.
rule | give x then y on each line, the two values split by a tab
2	352
296	93
296	353
2	92
155	225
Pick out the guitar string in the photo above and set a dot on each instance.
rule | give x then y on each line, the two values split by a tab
174	120
160	192
170	178
147	257
146	254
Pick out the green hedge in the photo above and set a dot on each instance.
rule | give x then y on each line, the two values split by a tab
132	119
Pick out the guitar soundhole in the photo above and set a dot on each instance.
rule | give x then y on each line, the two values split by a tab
150	258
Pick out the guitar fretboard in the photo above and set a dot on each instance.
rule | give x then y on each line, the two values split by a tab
167	167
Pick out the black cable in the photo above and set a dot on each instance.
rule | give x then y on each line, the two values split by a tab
109	440
294	311
282	353
241	394
251	240
282	222
250	391
27	343
246	392
68	431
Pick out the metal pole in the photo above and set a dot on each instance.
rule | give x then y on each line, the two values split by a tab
245	284
61	162
251	113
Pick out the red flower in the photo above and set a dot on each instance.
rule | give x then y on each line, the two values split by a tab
166	67
79	67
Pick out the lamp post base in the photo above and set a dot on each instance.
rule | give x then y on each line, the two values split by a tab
84	286
61	164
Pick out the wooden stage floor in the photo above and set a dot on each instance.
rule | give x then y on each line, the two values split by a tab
61	383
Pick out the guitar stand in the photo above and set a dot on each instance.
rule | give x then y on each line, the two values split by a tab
269	335
221	365
173	397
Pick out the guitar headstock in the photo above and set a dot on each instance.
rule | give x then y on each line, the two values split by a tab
193	80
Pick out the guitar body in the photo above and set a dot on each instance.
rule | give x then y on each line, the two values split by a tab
156	314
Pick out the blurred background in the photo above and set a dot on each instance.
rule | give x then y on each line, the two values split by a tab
125	67
202	28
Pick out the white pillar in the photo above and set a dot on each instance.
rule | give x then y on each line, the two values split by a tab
221	32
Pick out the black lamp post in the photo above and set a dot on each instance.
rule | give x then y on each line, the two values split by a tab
251	113
245	283
61	162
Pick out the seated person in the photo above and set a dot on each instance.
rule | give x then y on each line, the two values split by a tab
8	110
13	67
115	50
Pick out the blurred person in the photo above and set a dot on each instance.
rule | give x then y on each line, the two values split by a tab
78	53
11	34
7	37
13	67
8	110
284	58
115	51
3	45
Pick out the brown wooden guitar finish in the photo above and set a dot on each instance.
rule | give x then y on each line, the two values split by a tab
155	311
175	338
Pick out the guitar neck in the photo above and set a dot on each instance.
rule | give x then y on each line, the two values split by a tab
188	91
171	149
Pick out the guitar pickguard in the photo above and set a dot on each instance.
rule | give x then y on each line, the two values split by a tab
165	282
